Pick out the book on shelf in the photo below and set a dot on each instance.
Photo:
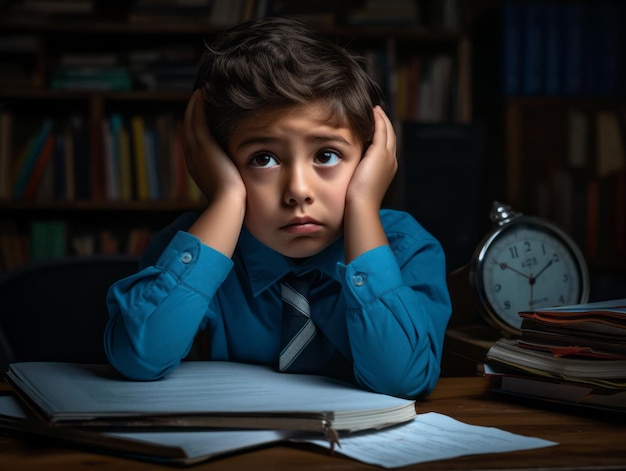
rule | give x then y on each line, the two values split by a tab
30	156
80	156
6	153
48	239
551	48
443	162
200	394
137	124
57	7
14	249
35	180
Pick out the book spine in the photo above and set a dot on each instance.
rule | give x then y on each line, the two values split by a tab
31	158
137	127
40	166
533	64
6	153
512	29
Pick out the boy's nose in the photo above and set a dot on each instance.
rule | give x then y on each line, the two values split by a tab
298	187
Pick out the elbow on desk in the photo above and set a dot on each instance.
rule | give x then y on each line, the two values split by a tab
404	384
128	362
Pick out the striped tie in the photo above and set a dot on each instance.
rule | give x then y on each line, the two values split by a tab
302	347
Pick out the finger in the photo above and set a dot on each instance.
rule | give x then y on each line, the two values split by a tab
189	119
197	128
390	135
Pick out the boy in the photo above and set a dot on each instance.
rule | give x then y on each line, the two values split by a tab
286	138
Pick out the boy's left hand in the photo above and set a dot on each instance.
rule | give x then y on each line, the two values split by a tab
378	166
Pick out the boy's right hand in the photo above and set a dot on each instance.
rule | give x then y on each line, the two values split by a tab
213	171
217	177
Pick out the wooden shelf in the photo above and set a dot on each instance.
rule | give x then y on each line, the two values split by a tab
111	33
101	206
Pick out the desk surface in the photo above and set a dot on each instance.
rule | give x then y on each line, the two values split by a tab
586	441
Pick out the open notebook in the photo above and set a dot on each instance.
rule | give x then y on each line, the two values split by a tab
203	394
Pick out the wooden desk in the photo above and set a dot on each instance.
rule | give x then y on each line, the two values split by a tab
586	442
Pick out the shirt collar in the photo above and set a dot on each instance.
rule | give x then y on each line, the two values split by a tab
265	266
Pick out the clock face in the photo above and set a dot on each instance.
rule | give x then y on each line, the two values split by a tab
525	266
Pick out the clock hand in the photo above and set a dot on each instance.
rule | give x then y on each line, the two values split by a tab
543	269
506	265
532	280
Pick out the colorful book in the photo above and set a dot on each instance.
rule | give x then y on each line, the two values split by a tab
48	239
141	174
30	159
41	165
126	163
6	149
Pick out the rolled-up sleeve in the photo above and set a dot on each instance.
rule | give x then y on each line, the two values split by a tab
155	313
398	310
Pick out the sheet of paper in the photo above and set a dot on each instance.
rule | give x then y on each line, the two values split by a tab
429	437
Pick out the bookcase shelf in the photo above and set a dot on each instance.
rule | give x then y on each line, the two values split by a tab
43	46
556	118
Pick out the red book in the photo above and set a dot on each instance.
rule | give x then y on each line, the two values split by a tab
43	160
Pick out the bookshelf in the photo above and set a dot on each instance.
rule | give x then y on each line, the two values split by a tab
556	119
91	69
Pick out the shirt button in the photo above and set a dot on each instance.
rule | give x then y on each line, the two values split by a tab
359	279
186	257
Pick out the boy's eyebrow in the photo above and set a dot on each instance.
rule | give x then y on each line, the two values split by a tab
320	138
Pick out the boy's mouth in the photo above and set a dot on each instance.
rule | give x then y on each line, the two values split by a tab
301	225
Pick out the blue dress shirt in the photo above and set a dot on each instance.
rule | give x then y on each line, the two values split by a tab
385	312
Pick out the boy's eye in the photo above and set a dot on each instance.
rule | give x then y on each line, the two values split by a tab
328	157
262	160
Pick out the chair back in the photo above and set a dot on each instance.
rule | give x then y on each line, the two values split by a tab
55	310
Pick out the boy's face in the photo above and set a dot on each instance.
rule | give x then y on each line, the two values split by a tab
296	168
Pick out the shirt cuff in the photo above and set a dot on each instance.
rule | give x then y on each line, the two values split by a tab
195	264
370	275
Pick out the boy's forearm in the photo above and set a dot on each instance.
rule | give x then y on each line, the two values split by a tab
220	223
363	229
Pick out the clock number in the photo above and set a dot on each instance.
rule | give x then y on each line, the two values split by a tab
565	278
507	305
497	288
513	252
555	257
528	246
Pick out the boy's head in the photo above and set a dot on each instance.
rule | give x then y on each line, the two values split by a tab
274	63
295	114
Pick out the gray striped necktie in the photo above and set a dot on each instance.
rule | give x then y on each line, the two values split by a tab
302	347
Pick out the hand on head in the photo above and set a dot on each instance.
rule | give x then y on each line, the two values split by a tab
209	166
378	166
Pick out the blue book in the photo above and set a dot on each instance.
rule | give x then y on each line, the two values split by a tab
533	39
511	48
554	49
605	54
573	39
59	168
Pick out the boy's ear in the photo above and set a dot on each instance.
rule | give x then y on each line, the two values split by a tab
366	146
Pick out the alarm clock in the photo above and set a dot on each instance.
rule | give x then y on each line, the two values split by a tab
525	263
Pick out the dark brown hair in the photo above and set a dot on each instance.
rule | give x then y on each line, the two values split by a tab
271	63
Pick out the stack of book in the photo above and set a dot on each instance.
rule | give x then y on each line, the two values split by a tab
201	410
572	354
